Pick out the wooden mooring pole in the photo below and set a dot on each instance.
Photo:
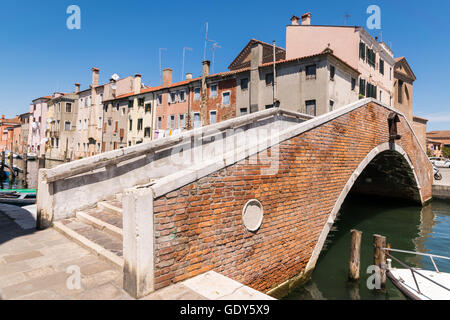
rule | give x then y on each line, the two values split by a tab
11	169
355	255
379	257
25	170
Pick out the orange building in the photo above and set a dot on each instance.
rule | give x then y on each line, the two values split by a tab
7	129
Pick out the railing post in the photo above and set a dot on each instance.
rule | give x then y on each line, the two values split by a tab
379	257
138	242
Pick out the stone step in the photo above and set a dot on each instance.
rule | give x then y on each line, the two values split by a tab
112	206
103	221
99	242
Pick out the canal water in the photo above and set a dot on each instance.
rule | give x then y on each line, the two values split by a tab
405	226
19	181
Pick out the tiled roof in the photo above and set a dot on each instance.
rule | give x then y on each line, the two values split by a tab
445	134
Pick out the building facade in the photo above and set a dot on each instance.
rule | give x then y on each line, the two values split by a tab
61	119
38	125
374	60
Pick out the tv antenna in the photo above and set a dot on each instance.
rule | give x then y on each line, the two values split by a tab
160	63
206	41
184	53
214	47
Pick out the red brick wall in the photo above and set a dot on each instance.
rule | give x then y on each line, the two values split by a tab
199	227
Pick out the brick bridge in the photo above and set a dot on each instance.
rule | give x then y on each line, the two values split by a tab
252	198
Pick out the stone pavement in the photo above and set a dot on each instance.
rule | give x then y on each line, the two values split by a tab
40	265
43	265
445	177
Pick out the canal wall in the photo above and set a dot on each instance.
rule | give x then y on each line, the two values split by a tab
441	192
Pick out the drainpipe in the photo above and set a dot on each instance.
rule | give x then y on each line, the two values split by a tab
274	76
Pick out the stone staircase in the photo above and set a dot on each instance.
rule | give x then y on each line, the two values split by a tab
97	229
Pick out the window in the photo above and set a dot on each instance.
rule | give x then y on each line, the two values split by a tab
141	102
362	87
311	72
67	126
331	105
182	123
371	91
269	106
68	107
57	142
140	125
353	83
382	66
147	132
214	90
159	99
172	124
131	125
105	107
148	107
212	117
390	73
197	94
116	127
332	72
130	103
371	56
159	123
172	97
101	97
362	51
79	124
226	98
85	102
99	124
244	84
311	107
196	120
123	111
182	96
269	79
381	94
244	111
85	124
400	91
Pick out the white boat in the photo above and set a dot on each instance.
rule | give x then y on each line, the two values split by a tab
419	284
31	156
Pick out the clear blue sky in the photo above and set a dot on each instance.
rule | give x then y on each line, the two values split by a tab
39	55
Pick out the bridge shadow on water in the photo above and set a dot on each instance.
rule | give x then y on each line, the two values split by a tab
405	225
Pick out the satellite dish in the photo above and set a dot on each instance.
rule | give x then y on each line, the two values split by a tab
115	77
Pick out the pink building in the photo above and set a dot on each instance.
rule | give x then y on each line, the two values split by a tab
38	125
373	59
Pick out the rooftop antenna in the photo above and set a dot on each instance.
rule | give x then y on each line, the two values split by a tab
160	64
214	47
206	41
184	53
346	17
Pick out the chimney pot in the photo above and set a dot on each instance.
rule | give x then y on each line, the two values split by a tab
295	20
167	77
188	76
205	71
137	83
306	19
77	87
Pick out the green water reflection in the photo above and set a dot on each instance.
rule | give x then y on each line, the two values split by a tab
406	227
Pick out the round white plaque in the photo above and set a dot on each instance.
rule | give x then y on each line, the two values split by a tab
252	215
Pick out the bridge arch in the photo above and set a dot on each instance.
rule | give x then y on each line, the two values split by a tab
387	148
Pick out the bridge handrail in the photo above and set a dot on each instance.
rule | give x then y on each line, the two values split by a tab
115	157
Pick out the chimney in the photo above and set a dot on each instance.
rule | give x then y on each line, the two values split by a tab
137	83
167	77
306	19
95	76
188	76
77	87
205	70
295	20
